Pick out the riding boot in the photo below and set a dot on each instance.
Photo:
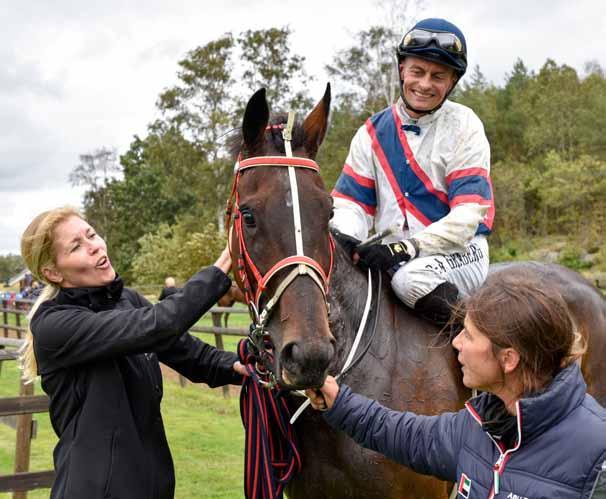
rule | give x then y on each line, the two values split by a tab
436	307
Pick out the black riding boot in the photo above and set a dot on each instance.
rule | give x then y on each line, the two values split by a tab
436	307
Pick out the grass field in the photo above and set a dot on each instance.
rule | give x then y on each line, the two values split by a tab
204	432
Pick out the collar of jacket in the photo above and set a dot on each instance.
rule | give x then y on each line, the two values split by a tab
424	120
97	298
545	409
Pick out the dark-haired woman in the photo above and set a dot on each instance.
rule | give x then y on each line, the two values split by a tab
96	346
533	433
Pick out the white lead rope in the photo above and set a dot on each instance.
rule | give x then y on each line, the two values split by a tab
352	352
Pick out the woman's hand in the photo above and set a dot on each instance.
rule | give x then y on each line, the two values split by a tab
239	368
224	261
324	398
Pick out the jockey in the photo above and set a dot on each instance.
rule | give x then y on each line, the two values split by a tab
421	165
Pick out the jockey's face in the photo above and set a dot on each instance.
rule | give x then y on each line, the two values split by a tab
481	369
426	83
80	256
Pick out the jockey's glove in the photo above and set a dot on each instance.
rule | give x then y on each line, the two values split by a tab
388	257
348	243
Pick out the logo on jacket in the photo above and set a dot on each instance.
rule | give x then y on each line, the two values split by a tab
464	486
515	496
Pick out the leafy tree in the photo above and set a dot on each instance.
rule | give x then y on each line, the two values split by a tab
344	121
267	61
10	265
550	101
573	195
201	104
174	250
95	171
366	70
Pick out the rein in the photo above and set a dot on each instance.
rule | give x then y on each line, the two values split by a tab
352	360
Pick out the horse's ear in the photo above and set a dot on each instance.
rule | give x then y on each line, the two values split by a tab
255	122
316	123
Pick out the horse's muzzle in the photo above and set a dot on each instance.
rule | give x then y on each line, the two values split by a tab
305	365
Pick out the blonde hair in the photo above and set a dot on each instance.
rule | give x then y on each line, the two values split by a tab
37	250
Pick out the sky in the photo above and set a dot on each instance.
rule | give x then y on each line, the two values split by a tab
77	76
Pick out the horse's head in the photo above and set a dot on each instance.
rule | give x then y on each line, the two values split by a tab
280	242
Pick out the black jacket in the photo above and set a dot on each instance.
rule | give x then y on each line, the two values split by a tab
167	292
97	351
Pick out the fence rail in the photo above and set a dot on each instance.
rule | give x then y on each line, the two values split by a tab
17	412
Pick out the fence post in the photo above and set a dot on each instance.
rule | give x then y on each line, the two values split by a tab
24	438
216	317
5	317
18	321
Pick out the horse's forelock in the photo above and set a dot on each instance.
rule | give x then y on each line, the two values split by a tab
273	137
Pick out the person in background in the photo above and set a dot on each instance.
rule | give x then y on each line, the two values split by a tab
534	432
97	345
422	166
169	288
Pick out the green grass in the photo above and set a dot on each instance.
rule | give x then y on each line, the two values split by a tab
204	432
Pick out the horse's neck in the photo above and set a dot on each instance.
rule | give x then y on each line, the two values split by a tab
348	296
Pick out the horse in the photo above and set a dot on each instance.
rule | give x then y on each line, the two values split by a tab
233	295
310	298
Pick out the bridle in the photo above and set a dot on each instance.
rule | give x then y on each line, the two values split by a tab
254	282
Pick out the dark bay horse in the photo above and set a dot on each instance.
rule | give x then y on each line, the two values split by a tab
408	366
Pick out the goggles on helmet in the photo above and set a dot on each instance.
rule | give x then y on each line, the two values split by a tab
419	38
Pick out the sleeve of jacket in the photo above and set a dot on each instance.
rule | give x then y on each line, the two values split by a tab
354	194
426	444
200	362
470	194
68	335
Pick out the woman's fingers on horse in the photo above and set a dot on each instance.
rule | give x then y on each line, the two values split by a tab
224	261
317	400
330	390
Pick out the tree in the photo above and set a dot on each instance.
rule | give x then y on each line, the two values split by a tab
174	250
95	171
200	106
550	101
367	70
267	61
10	265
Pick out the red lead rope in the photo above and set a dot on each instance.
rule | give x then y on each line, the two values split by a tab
272	457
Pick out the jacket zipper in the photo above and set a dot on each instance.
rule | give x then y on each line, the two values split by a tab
497	470
499	466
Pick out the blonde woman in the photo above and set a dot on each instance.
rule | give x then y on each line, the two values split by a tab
96	346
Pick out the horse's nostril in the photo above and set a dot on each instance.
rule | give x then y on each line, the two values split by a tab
292	353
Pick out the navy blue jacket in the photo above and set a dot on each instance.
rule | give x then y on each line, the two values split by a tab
561	442
98	351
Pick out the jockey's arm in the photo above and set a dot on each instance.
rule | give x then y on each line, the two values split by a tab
470	196
453	232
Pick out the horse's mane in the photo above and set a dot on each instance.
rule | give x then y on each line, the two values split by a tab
273	137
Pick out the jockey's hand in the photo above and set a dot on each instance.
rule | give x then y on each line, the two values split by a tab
348	243
387	256
324	398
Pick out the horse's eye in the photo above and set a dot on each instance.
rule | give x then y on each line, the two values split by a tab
248	217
